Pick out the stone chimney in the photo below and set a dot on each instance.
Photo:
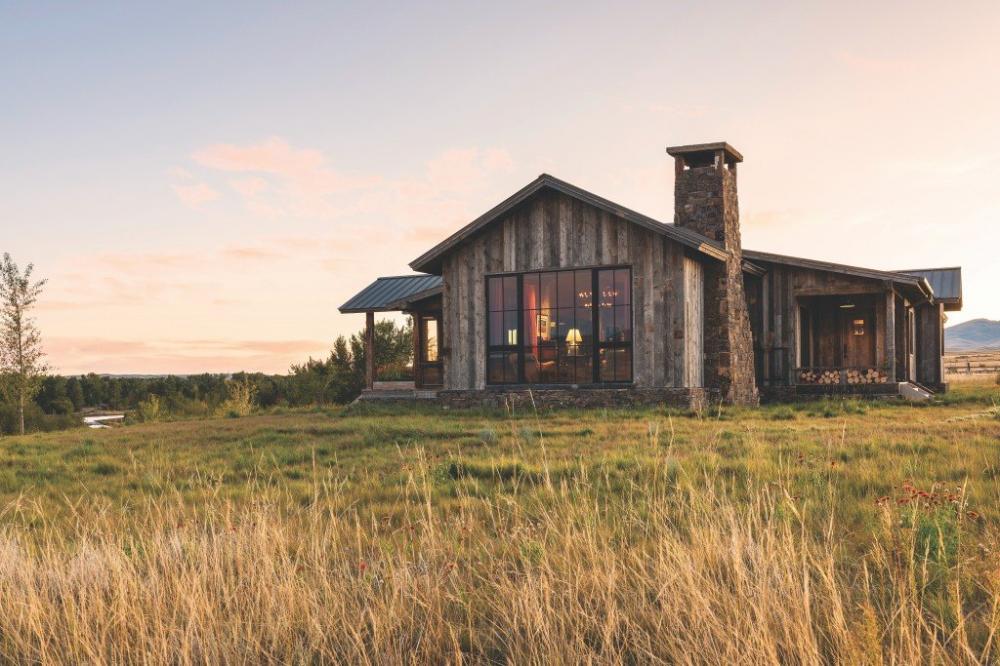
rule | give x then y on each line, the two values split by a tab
705	201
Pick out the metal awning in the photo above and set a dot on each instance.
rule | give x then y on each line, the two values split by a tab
388	294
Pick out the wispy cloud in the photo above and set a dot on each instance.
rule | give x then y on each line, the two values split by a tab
303	179
195	195
95	354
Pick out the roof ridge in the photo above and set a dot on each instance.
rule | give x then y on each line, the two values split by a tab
686	236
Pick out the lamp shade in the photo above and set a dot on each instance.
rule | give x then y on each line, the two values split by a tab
574	337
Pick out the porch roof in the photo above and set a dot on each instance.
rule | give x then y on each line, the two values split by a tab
946	283
908	279
391	293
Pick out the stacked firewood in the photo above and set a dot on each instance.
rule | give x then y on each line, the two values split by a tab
867	376
810	376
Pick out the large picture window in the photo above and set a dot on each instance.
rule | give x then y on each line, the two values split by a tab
560	327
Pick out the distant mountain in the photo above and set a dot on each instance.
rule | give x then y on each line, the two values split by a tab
973	335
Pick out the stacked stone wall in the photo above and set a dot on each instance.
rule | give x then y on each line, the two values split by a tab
706	202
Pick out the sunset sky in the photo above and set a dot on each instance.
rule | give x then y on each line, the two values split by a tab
203	184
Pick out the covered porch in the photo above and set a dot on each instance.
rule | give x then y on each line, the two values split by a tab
821	328
418	296
864	341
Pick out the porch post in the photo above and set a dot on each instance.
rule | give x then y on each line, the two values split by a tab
418	379
369	350
930	319
890	334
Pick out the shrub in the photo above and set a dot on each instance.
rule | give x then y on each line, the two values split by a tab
149	410
241	400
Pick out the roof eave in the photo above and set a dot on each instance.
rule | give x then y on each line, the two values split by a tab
429	262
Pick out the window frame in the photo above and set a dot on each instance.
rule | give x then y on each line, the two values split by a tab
596	345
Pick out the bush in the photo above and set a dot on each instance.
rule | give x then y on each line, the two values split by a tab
149	410
241	400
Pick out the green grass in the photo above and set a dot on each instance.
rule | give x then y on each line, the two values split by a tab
841	455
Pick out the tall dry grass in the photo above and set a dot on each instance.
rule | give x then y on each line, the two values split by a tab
662	573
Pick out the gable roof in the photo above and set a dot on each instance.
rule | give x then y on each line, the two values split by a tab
429	262
946	283
391	293
907	279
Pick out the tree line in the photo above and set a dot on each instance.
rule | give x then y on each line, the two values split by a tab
33	399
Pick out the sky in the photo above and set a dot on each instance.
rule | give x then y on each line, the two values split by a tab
202	184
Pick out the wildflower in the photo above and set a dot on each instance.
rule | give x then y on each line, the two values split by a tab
903	500
362	566
972	515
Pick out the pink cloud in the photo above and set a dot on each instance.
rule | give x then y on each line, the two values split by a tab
93	354
252	253
249	187
304	178
195	195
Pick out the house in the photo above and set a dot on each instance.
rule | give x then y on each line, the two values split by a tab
586	302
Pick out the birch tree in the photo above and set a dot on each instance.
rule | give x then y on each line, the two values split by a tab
21	364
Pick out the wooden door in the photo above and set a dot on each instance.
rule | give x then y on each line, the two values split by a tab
429	373
858	337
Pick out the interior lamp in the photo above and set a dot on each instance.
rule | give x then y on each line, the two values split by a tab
573	339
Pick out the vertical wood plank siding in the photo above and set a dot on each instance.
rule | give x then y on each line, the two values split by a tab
552	231
693	356
782	287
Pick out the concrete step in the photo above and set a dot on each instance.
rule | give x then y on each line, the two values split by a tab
912	392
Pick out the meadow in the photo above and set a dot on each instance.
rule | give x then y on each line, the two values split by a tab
839	531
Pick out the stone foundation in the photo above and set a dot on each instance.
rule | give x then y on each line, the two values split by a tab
688	398
778	394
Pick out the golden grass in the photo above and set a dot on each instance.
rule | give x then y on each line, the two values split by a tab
834	533
669	576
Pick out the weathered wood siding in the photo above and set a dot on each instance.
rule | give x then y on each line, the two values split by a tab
552	231
692	353
782	286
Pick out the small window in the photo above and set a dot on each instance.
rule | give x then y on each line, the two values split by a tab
859	327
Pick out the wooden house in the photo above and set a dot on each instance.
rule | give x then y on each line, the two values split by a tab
558	295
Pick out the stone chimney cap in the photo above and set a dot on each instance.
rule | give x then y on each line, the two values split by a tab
704	149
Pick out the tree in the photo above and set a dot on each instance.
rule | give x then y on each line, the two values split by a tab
21	352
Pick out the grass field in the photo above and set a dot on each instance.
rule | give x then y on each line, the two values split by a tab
839	531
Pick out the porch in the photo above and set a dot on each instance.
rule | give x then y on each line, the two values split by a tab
865	343
418	296
823	328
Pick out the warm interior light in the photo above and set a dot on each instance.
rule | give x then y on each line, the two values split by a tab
573	340
512	336
847	306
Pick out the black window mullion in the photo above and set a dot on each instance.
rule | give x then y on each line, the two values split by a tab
595	324
520	329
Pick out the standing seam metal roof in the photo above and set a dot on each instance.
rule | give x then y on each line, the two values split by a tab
946	282
381	294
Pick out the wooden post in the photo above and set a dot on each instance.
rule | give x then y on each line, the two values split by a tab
890	334
369	350
418	379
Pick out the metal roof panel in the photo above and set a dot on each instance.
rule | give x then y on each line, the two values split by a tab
383	293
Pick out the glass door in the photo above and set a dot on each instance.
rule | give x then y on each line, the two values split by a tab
430	374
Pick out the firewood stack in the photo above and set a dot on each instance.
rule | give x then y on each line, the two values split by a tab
866	376
820	376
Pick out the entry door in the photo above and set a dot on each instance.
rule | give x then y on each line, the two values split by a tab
858	335
430	351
